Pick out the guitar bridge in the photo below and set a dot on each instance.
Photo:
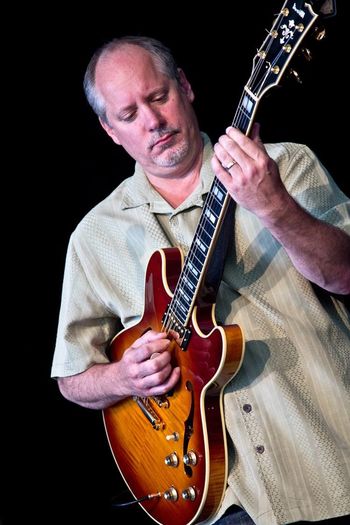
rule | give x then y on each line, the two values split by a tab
170	322
150	414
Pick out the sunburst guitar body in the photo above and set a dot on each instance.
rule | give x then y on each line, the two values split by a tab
172	449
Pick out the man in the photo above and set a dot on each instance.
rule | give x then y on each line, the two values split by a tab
286	273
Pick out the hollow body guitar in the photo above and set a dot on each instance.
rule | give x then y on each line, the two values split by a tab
171	450
173	447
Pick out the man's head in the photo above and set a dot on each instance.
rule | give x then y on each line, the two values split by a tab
143	101
161	54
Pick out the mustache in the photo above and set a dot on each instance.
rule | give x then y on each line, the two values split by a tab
160	133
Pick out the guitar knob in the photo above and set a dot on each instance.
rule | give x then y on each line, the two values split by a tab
293	73
306	53
189	494
171	494
319	33
190	458
172	460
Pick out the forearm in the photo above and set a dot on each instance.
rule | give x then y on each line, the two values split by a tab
319	251
94	388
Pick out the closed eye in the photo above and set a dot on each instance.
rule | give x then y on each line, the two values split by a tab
161	98
129	117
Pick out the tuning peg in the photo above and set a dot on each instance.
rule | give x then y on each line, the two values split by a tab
319	32
306	53
294	74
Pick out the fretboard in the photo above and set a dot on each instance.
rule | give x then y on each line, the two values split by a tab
211	219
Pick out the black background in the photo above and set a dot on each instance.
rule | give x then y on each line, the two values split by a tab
61	468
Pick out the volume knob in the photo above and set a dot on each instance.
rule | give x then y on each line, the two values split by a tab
172	460
189	494
190	458
171	494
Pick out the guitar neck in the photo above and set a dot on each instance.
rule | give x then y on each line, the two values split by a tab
207	231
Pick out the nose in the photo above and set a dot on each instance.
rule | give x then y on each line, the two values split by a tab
153	119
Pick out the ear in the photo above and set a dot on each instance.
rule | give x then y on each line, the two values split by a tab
185	85
110	131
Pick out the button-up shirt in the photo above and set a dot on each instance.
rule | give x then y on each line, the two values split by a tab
287	410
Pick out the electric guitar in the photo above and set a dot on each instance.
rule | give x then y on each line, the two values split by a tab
171	450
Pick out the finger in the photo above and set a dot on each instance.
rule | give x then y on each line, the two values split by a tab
166	385
230	149
242	147
154	373
222	174
226	160
157	361
143	352
148	337
172	334
154	355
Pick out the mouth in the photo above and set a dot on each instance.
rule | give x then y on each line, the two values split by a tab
164	139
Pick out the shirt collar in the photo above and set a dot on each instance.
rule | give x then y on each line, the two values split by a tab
139	191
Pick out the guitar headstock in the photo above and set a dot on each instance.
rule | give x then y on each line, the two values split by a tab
284	39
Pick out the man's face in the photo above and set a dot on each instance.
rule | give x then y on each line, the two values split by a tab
149	114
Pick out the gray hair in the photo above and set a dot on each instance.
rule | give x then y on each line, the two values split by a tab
161	53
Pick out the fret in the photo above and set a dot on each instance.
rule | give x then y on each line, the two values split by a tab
201	245
182	306
187	282
210	217
209	220
179	310
179	304
248	104
200	258
219	194
184	294
244	114
203	241
193	270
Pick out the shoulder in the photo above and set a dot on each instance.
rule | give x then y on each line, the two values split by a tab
298	162
106	213
285	152
309	182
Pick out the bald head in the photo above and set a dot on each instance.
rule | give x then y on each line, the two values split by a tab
107	56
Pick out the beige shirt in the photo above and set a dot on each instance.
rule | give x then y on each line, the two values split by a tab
287	411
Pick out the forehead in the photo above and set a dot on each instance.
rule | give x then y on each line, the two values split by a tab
126	72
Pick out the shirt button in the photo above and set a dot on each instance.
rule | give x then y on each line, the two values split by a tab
260	449
247	408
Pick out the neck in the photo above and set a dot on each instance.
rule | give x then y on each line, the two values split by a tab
176	187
